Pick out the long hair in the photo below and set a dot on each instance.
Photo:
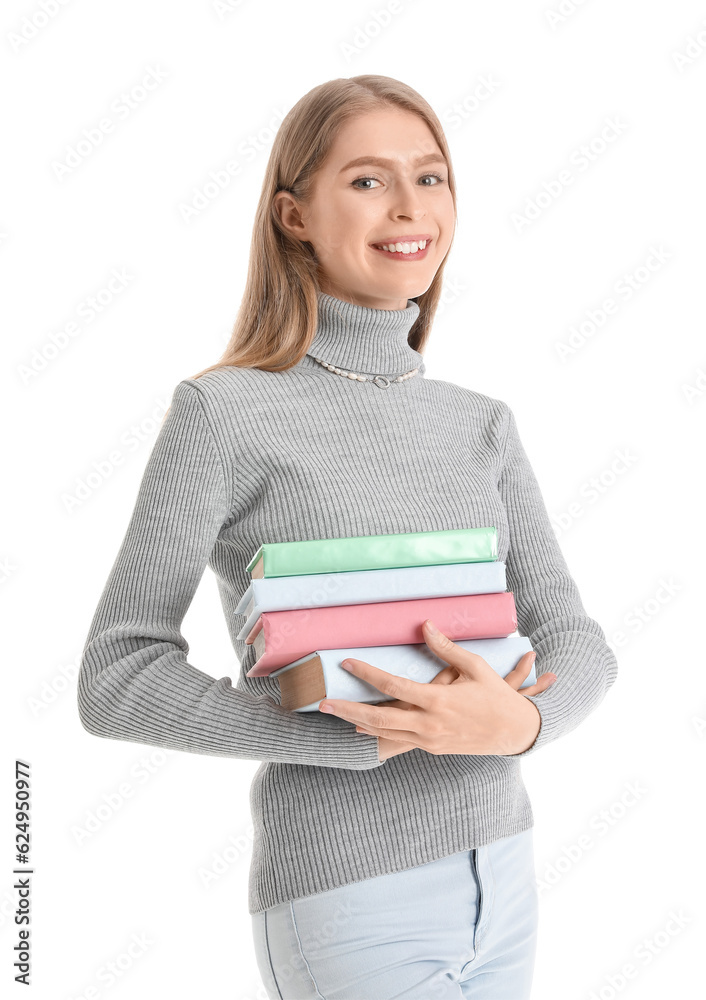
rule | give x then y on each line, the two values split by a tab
277	318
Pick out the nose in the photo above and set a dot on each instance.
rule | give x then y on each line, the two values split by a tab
408	203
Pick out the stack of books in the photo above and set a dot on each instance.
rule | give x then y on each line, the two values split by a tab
313	603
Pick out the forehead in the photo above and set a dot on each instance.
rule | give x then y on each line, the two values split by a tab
390	134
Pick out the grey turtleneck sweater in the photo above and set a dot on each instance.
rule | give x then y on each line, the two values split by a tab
248	456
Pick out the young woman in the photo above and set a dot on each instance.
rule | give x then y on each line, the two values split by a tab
393	843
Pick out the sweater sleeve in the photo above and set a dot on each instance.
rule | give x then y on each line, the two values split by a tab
549	608
135	682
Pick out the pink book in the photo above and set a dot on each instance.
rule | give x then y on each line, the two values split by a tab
280	637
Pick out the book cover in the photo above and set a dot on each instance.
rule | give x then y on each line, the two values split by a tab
407	583
280	637
336	555
318	675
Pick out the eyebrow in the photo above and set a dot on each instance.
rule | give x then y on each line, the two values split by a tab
380	161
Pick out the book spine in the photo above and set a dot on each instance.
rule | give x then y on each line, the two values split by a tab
365	552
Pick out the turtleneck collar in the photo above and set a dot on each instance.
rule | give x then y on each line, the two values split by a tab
365	340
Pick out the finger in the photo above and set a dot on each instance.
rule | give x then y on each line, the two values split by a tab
544	682
398	735
401	688
446	676
520	672
404	706
467	663
376	717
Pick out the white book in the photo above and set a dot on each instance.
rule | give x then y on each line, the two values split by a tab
320	674
407	583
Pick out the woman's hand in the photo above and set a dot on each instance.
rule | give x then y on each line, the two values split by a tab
391	748
467	709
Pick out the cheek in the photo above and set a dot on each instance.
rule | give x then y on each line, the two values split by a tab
341	256
448	222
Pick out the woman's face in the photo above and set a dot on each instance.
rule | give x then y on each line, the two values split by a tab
385	180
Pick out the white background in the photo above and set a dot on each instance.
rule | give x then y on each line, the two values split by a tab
625	408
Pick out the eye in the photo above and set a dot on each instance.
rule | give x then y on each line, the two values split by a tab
437	178
359	179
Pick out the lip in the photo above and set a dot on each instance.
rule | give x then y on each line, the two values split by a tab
399	257
415	237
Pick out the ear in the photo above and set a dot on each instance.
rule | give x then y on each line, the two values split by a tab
289	213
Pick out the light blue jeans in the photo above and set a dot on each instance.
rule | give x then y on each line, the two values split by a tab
462	927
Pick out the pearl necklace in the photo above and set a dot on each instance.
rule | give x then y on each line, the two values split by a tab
383	384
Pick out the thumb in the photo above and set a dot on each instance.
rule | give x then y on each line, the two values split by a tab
466	663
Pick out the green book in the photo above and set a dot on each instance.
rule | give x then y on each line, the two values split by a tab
340	555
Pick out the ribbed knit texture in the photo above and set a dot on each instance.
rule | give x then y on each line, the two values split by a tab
248	456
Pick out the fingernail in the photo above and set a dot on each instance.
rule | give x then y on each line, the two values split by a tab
325	708
431	627
534	657
347	664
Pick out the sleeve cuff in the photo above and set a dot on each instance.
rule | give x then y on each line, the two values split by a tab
585	667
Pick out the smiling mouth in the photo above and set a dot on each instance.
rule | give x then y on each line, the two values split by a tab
403	251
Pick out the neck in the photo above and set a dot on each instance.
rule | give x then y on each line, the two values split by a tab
365	340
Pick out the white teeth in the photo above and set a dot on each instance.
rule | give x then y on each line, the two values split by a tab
404	247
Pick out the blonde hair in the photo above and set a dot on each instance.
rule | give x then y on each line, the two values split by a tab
277	318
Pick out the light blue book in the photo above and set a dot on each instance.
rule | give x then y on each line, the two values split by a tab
407	583
305	682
